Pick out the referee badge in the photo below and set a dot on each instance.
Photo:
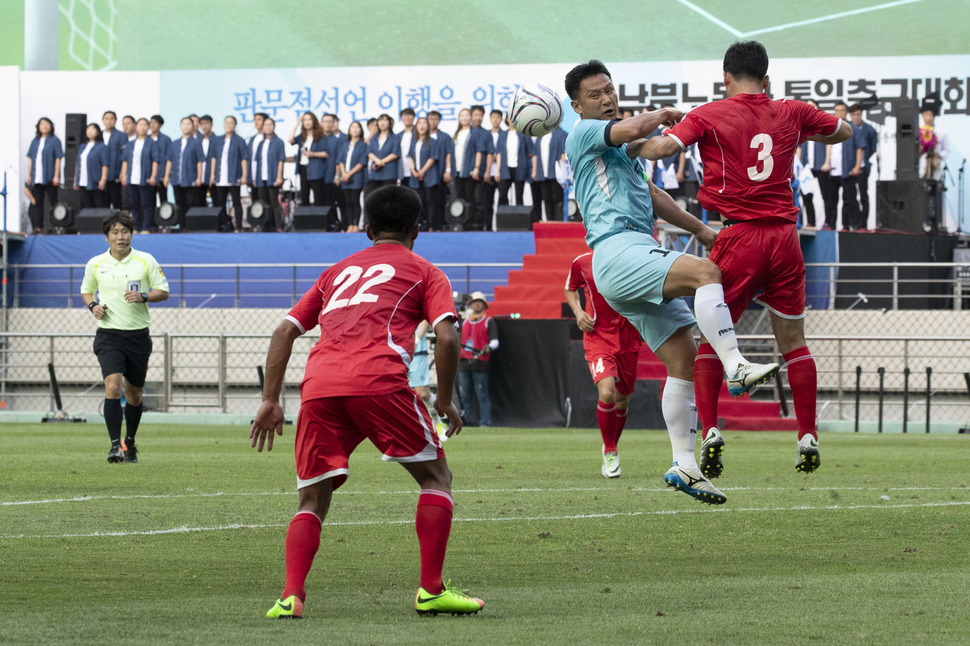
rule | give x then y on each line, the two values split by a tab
134	285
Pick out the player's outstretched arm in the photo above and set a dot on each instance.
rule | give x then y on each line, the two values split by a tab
269	418
641	125
844	132
446	352
667	208
654	148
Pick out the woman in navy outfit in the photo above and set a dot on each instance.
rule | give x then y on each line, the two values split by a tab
384	153
351	172
91	169
43	170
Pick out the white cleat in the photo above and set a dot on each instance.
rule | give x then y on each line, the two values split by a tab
611	465
694	484
711	450
808	458
750	375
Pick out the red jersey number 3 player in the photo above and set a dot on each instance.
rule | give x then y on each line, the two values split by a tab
748	143
612	348
356	387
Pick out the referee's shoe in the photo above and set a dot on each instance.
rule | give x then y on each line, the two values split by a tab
116	455
131	451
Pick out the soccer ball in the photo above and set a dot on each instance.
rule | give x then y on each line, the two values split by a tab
535	110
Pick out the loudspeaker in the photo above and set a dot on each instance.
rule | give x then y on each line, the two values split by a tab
89	220
311	218
68	195
907	138
513	218
904	205
74	126
203	218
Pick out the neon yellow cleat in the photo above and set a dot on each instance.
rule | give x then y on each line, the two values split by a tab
451	600
291	608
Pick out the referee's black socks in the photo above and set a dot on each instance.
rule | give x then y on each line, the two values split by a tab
132	419
112	418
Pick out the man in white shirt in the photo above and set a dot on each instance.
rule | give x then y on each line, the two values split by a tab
407	136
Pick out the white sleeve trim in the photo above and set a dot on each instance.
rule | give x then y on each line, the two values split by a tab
441	318
677	139
298	325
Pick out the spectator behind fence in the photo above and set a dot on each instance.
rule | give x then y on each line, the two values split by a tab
425	171
91	169
206	137
351	171
139	173
183	170
268	173
384	152
230	163
43	171
467	162
405	137
115	141
253	143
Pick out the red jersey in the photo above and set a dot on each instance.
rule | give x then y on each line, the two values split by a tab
612	333
747	144
368	307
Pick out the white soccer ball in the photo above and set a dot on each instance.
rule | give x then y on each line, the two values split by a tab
536	110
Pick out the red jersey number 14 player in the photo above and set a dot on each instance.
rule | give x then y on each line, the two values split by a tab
748	143
356	387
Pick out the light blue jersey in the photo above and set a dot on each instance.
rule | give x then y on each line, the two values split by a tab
612	193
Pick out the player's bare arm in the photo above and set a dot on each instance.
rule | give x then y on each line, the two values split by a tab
666	208
844	132
583	319
269	418
654	148
446	352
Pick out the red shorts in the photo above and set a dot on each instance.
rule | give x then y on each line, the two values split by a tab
330	428
622	367
761	256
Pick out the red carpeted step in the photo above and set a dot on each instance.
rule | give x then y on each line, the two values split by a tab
544	293
561	246
759	424
526	309
538	277
552	262
558	230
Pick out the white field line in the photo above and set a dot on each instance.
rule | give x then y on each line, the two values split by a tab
357	523
217	494
800	23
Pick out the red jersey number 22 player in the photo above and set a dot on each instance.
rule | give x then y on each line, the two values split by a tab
356	387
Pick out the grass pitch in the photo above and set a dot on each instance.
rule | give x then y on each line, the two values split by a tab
187	546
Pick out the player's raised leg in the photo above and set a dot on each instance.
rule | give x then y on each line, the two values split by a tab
803	380
690	275
708	377
302	543
433	526
680	415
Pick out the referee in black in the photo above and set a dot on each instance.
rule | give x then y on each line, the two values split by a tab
117	287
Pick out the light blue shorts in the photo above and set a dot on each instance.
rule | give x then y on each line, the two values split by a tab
630	269
418	374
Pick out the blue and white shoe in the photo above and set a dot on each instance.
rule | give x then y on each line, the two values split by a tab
711	450
693	483
750	375
808	458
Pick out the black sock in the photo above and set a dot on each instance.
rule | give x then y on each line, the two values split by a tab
112	418
132	418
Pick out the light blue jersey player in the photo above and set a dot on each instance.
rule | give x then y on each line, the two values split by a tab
641	280
419	376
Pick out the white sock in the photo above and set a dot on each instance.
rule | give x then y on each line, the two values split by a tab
434	414
714	320
680	413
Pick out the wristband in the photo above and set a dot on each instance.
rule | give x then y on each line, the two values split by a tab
91	305
144	297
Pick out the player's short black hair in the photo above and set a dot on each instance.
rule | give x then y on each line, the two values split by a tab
392	209
117	217
581	72
746	59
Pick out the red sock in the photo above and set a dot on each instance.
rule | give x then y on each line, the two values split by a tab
433	525
803	379
606	418
621	414
708	377
302	543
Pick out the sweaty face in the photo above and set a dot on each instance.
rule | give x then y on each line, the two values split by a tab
597	98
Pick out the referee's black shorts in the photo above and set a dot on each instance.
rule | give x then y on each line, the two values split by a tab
125	352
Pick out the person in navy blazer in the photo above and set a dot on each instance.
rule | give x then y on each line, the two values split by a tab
548	150
351	172
183	170
91	169
446	152
252	144
268	174
115	140
384	153
229	160
310	133
139	174
331	125
480	175
424	162
43	170
467	161
513	147
162	142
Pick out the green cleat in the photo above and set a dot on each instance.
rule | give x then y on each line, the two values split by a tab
451	600
808	458
291	608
